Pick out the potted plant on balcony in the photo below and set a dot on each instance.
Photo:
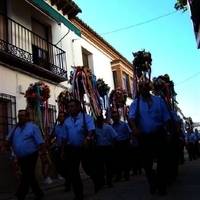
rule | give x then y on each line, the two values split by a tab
181	5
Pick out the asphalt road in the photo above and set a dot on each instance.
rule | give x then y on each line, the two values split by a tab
187	187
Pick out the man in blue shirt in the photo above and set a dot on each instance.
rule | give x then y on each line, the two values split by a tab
197	153
104	138
190	141
147	118
76	134
174	146
60	165
122	147
26	139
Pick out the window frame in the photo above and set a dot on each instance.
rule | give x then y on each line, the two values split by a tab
11	118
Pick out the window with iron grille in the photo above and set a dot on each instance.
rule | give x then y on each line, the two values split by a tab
51	117
7	114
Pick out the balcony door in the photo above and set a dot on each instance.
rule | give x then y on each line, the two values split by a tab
3	23
39	44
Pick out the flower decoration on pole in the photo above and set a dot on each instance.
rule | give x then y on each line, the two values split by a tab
118	98
141	65
164	87
188	120
37	95
37	91
103	90
102	87
63	98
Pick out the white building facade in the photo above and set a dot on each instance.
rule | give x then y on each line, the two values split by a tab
41	41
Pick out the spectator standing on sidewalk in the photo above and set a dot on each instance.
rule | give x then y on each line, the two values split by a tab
60	165
46	168
148	117
122	147
26	139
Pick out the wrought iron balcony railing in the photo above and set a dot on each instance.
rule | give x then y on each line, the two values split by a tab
18	41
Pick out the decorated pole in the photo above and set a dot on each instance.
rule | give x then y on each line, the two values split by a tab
141	68
118	99
37	96
164	87
103	90
83	85
63	98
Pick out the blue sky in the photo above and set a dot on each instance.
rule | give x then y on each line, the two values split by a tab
170	40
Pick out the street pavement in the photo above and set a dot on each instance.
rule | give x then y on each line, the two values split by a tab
186	187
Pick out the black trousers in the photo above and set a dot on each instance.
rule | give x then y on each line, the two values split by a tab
155	145
181	151
191	151
135	159
196	149
104	160
61	166
122	158
75	155
28	180
173	150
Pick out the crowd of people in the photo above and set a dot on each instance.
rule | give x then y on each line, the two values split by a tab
107	152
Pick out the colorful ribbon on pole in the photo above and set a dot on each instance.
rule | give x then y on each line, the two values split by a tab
37	96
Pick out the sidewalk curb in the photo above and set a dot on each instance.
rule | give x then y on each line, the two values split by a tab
9	193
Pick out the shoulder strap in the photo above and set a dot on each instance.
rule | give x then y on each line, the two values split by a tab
52	133
84	125
12	134
137	112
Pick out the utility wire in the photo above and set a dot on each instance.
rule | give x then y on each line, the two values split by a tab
121	29
188	79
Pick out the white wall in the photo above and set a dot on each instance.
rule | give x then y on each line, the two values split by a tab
101	66
11	80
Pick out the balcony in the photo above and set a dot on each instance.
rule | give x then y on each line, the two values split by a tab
29	52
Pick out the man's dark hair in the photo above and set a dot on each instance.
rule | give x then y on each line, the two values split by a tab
62	112
77	102
115	112
100	117
26	112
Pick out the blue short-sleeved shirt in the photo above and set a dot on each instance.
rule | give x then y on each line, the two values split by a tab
73	131
123	130
151	118
26	140
175	118
105	135
191	138
56	132
135	142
